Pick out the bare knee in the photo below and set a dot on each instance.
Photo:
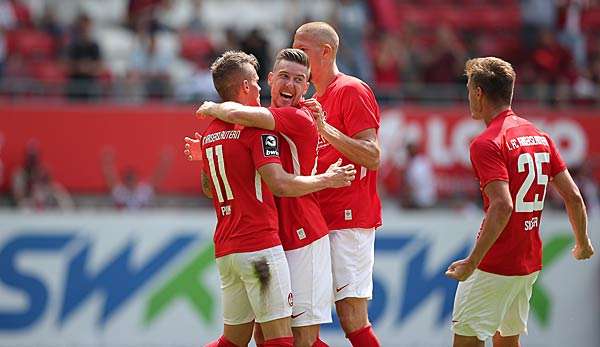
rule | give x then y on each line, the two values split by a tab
276	328
467	341
352	313
305	336
505	341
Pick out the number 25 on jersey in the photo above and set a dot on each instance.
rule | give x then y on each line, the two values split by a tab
533	165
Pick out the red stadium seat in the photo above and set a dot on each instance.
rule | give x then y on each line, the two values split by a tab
31	44
50	72
195	47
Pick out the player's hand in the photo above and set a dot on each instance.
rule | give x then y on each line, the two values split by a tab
316	111
582	252
461	270
341	176
193	147
203	111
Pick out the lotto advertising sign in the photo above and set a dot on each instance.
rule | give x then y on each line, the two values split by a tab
149	279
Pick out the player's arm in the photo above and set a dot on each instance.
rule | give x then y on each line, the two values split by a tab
496	218
235	113
568	190
362	148
205	185
284	184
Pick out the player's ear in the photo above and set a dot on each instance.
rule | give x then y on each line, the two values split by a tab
327	50
269	78
246	86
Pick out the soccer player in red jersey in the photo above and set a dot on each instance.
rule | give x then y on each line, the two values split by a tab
349	131
514	162
251	262
303	231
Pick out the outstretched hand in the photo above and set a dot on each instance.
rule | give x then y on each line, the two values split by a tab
460	270
193	148
341	176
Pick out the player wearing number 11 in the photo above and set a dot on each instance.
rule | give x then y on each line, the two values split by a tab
514	162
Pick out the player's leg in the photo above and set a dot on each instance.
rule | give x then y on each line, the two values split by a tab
480	305
238	316
267	282
467	341
514	322
505	341
352	258
311	279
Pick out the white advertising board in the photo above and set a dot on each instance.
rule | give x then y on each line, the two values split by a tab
148	279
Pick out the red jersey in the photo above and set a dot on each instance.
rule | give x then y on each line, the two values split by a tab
512	149
245	208
351	108
300	218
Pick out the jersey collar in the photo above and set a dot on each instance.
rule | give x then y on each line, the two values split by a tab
500	116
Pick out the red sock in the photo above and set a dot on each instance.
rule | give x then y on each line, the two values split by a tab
280	342
260	345
221	342
363	337
319	343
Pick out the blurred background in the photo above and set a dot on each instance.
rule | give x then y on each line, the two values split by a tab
97	95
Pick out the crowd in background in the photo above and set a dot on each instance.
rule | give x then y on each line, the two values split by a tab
407	50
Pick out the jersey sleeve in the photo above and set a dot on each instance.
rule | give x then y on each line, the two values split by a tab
264	147
557	164
359	110
488	162
291	121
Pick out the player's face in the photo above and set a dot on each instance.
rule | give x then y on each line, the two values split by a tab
474	100
289	82
253	89
313	49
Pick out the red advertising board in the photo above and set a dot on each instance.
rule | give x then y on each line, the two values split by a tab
73	137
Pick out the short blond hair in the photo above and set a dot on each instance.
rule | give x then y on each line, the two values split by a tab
229	70
494	76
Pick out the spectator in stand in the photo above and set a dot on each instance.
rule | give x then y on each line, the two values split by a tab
352	21
1	163
149	66
49	24
444	61
196	22
388	62
85	61
130	192
256	44
569	26
419	179
554	69
537	15
145	11
33	187
231	41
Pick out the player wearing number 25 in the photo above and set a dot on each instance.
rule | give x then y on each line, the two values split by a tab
514	162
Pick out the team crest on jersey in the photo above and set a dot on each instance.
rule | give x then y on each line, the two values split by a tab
270	145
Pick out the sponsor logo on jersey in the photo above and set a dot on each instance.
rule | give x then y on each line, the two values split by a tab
270	145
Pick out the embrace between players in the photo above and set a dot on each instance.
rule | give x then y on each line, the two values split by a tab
294	191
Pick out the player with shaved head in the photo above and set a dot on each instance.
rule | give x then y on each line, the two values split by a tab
252	265
348	123
303	231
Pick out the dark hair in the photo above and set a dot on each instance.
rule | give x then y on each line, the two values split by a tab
294	55
229	70
494	76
